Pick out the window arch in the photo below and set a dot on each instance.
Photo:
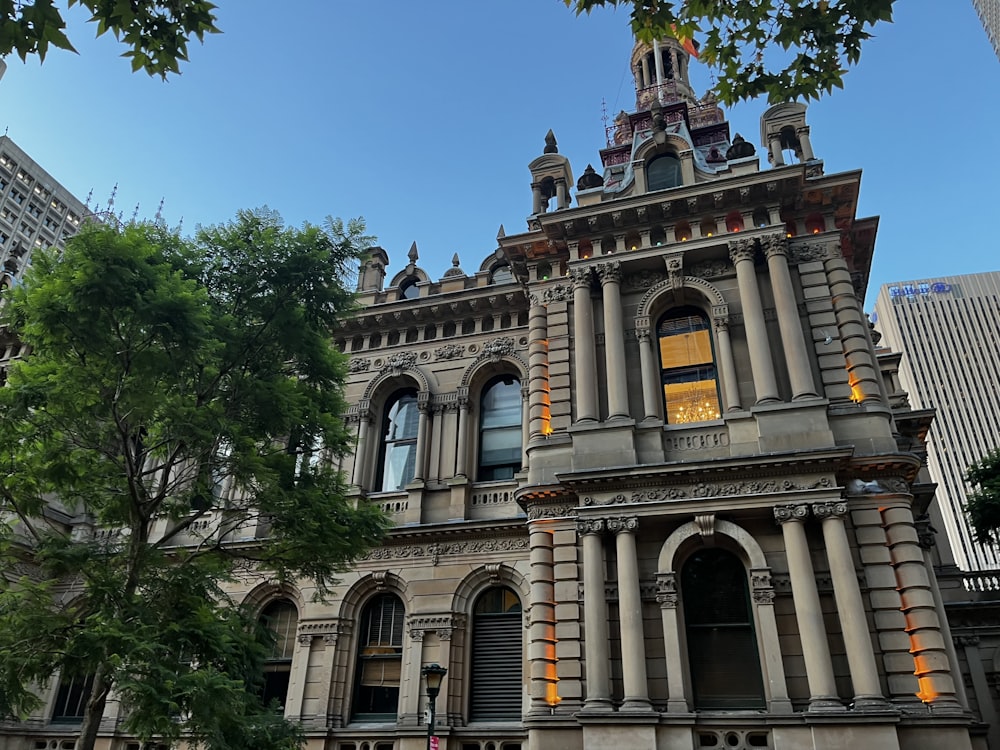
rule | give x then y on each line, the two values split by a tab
500	429
282	619
721	642
662	172
495	686
501	274
408	289
380	659
687	367
398	451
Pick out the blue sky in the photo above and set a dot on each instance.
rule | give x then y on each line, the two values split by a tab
423	116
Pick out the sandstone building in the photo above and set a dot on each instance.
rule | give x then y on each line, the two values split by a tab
651	488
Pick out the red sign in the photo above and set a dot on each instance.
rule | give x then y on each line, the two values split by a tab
434	744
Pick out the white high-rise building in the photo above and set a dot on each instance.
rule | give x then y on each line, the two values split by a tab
948	329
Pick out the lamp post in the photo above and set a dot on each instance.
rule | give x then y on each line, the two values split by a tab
432	674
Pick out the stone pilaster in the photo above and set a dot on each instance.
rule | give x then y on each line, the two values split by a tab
853	332
666	596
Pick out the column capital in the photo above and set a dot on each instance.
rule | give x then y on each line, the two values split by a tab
623	525
785	513
823	511
666	590
586	526
774	245
580	278
643	334
925	532
741	249
609	273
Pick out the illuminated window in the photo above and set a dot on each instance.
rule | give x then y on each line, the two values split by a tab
281	618
663	172
687	367
500	429
380	659
399	442
497	632
722	645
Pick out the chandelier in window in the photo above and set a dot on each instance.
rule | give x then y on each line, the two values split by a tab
695	403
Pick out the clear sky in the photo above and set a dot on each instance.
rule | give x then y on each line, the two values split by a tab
423	116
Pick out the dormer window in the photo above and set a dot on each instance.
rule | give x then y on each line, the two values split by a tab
408	289
501	274
662	172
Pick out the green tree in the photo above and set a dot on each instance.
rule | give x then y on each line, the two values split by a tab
785	49
159	366
983	504
156	32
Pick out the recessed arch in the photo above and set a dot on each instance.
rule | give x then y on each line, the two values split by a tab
663	295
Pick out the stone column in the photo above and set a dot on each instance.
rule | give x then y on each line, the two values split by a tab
411	688
792	341
562	195
538	373
595	615
325	678
727	366
652	404
358	475
462	457
536	198
583	339
630	616
423	436
614	340
646	78
774	149
808	613
930	657
543	687
741	252
666	595
804	144
850	608
853	332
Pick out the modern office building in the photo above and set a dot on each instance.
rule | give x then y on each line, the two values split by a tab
948	331
989	14
650	487
35	210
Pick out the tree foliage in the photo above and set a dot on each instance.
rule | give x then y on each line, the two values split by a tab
156	32
784	49
161	365
982	505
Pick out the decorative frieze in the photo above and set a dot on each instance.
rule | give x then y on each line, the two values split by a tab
556	293
359	365
709	489
434	551
399	362
537	512
449	351
711	269
643	279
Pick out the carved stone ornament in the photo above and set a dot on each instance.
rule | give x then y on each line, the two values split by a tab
710	269
493	572
742	249
609	273
706	526
581	278
823	511
589	526
620	525
497	348
763	596
808	252
666	590
449	351
557	293
774	244
925	531
359	365
966	640
379	576
399	362
435	551
785	513
416	634
643	279
538	512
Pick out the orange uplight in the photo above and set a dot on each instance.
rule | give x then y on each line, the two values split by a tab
927	693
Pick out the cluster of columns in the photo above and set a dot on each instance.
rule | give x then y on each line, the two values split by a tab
775	141
850	607
595	607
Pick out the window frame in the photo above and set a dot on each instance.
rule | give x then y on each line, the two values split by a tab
709	367
387	444
679	174
512	689
397	618
279	660
483	468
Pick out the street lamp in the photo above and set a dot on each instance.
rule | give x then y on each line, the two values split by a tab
432	674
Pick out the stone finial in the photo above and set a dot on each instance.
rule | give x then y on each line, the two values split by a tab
740	149
550	143
413	255
454	260
589	179
501	233
454	270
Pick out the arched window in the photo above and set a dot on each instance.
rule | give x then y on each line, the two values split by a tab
501	274
380	659
408	289
663	172
687	367
497	630
281	618
398	457
500	429
722	646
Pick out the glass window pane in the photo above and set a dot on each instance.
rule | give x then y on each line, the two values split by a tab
397	469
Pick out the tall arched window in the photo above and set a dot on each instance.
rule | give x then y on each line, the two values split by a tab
398	452
500	429
687	367
662	172
380	658
497	633
722	645
281	618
